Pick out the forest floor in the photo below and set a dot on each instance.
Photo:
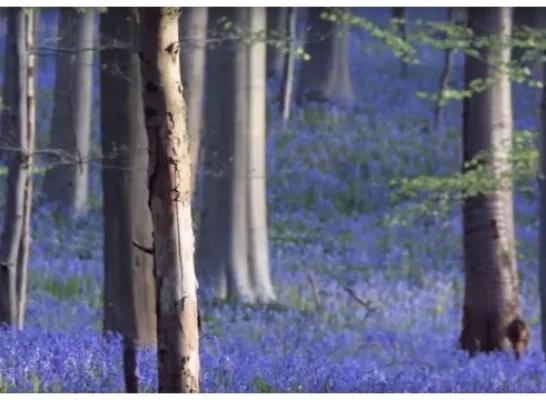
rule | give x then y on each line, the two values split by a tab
332	217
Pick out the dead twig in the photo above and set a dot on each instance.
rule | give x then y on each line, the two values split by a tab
147	250
316	295
366	303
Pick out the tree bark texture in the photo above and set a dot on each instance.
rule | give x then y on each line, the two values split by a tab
169	184
492	316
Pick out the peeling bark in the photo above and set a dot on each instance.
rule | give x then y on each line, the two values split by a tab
169	183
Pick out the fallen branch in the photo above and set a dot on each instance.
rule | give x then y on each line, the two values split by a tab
316	295
366	303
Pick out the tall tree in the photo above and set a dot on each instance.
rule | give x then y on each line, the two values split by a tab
276	32
232	255
129	284
326	76
193	44
256	165
212	247
454	17
169	184
492	315
15	239
67	184
289	65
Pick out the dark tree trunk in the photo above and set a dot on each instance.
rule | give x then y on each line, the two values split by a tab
129	285
326	76
276	34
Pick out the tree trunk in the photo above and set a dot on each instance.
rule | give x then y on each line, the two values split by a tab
256	173
129	284
445	75
326	76
399	14
15	239
212	245
232	259
276	33
193	37
67	184
492	316
289	65
169	183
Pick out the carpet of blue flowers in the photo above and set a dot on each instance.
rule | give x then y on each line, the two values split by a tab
329	198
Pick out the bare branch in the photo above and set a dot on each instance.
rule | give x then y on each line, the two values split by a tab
147	250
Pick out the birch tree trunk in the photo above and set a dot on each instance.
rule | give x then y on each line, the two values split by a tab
169	183
492	315
67	184
193	44
129	284
15	239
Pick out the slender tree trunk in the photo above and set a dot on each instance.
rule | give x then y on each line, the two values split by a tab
326	76
30	97
129	283
400	14
445	75
289	64
256	170
492	316
276	32
239	281
67	184
193	37
14	242
169	183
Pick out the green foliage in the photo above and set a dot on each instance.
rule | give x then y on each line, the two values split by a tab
262	386
436	195
69	289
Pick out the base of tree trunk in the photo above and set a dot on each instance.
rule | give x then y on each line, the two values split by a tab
479	334
129	366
